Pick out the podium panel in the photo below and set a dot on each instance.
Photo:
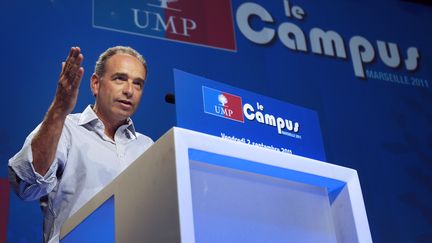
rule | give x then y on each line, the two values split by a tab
97	227
231	205
193	187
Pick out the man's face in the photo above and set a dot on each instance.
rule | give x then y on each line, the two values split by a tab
118	92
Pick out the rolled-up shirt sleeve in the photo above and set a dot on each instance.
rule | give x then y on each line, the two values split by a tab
29	184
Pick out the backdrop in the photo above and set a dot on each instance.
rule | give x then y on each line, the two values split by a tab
364	66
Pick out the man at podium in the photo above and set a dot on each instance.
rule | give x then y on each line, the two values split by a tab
68	158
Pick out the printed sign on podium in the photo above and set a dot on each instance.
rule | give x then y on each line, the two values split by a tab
221	110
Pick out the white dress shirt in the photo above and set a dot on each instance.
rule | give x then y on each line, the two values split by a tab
86	161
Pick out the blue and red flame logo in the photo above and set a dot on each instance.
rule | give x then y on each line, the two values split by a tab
222	104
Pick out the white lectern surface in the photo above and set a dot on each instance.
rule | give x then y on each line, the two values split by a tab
193	187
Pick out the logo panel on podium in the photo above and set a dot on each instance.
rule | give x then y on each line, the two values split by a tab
234	114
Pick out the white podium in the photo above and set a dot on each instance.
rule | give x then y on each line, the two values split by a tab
192	187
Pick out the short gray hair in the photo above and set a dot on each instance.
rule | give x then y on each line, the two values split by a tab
103	58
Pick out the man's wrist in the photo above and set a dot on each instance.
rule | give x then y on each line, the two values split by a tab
56	113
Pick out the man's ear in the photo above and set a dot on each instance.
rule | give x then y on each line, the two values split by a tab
94	84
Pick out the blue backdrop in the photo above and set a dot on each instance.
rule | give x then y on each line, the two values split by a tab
374	108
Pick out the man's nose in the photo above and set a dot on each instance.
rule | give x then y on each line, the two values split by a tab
128	89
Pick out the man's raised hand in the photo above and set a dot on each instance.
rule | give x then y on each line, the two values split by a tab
69	82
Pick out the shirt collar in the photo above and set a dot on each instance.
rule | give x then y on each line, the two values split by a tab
88	116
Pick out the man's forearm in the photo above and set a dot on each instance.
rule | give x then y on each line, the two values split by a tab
44	143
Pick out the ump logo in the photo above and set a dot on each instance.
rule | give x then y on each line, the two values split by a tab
199	22
222	104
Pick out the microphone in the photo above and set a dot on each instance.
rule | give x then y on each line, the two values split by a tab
170	98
